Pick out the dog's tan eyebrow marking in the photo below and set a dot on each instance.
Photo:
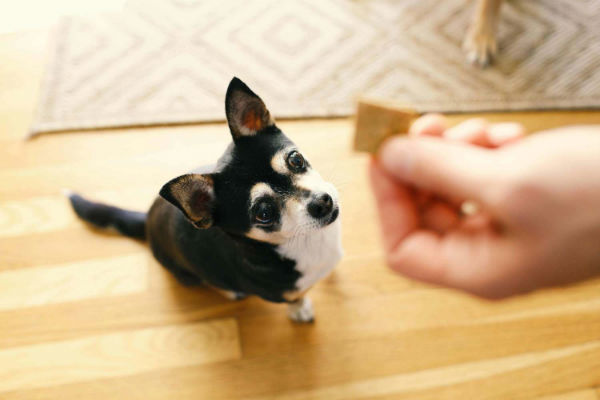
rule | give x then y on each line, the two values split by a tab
260	189
278	162
310	181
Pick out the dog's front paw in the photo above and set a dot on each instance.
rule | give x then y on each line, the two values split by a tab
480	45
301	311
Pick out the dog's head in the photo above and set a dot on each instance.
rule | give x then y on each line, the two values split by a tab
263	187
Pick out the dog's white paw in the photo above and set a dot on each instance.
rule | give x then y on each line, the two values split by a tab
301	310
480	45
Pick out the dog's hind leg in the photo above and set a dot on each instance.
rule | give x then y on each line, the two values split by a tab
184	277
229	294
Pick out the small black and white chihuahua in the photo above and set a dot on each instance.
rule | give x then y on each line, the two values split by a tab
259	222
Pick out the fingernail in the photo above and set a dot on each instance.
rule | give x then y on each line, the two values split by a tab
396	157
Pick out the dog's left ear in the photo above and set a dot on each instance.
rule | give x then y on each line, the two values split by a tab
194	195
246	113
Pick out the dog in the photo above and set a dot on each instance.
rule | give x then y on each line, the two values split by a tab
261	221
480	42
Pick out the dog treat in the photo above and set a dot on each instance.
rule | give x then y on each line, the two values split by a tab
377	120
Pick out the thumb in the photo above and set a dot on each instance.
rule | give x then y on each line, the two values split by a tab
453	170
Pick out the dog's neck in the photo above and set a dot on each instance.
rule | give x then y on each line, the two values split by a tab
315	254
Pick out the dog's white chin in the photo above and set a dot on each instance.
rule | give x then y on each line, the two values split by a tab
316	253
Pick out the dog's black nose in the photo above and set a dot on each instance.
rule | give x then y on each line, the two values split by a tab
320	206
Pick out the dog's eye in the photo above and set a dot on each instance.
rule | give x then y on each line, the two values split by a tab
296	162
264	213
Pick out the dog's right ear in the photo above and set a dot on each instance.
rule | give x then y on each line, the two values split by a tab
194	195
246	112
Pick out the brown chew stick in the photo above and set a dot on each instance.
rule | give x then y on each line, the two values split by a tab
376	121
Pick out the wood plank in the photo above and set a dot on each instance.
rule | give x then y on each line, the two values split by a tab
83	177
69	320
118	354
102	277
34	215
339	318
360	276
53	213
587	394
431	312
343	363
68	245
494	373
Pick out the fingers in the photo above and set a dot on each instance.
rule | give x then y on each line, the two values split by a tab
474	131
399	220
477	131
417	184
506	132
426	211
458	260
439	217
418	257
480	132
452	170
397	209
429	125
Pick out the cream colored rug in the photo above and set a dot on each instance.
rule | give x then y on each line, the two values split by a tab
169	61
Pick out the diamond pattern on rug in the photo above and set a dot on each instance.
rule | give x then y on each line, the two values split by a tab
169	61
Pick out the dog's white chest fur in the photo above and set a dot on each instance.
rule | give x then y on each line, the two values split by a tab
316	254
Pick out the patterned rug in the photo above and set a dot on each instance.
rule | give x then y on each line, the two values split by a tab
169	61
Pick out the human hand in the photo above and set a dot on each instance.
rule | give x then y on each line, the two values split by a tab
539	196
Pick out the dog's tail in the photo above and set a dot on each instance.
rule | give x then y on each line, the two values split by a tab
128	223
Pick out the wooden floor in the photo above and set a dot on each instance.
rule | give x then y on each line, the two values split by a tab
85	315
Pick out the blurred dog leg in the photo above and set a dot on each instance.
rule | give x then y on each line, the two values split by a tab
480	43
